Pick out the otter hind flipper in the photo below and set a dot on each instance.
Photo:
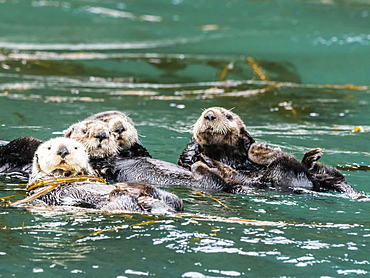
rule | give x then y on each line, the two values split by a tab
311	157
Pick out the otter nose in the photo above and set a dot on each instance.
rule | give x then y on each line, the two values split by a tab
101	135
210	116
120	128
63	151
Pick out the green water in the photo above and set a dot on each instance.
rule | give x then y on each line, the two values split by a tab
162	62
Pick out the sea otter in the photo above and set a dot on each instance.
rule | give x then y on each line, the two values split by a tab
126	134
96	136
100	142
16	157
221	135
108	161
61	176
282	172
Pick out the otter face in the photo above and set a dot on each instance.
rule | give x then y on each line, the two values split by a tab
124	131
122	127
218	126
96	136
61	157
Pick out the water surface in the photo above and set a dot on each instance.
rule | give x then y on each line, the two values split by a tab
162	62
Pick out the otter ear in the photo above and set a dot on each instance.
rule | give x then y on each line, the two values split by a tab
68	132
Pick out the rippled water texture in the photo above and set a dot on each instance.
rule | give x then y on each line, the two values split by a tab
297	72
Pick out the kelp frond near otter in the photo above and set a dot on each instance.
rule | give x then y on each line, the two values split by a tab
51	184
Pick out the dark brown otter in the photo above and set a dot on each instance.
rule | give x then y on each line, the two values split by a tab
16	157
221	141
221	135
282	172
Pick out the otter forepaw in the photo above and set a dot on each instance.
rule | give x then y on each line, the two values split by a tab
199	169
207	160
263	154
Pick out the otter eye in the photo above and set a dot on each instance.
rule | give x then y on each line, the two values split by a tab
229	117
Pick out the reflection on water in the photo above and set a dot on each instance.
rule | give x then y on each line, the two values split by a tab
293	70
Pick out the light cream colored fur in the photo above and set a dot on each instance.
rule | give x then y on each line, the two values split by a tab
116	120
48	163
86	132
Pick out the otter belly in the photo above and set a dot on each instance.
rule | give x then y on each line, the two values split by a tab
162	173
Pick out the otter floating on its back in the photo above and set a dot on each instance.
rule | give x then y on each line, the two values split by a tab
16	157
125	132
133	163
65	161
221	135
221	141
96	136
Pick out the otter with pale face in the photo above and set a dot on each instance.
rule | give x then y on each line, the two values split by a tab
60	157
125	133
96	136
65	161
221	135
134	164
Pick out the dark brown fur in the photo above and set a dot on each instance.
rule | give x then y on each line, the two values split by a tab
16	157
221	135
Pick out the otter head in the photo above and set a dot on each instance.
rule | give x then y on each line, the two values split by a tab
121	125
219	126
124	131
96	136
60	157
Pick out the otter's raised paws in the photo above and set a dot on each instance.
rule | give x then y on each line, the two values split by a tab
220	168
311	157
262	154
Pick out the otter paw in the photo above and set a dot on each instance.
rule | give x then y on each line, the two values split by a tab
262	154
199	169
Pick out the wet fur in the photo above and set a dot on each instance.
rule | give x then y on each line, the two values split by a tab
16	157
87	132
221	135
124	131
162	173
48	162
283	173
